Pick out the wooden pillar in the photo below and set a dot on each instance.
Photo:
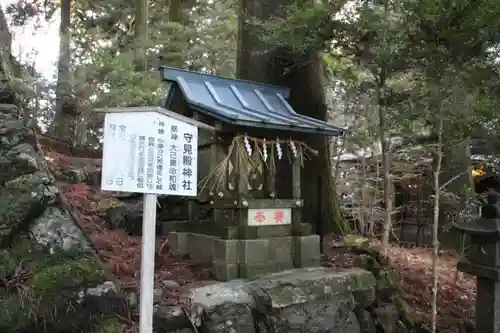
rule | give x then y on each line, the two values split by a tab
296	212
216	157
270	182
241	187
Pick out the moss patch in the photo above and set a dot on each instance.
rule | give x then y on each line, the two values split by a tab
111	325
47	292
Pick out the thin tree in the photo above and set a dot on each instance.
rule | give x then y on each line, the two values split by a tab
435	225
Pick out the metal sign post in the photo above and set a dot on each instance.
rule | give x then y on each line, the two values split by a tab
152	151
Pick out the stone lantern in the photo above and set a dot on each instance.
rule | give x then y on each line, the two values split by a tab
483	261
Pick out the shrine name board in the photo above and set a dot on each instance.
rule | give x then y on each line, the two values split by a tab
148	152
269	216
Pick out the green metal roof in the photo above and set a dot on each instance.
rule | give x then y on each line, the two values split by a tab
243	103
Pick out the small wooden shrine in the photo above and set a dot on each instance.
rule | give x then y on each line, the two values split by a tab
240	222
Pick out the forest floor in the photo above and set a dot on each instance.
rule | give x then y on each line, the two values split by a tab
121	252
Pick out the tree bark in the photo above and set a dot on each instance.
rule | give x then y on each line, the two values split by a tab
141	35
435	225
305	77
175	14
62	124
386	166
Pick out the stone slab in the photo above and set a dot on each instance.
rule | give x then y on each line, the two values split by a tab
302	285
306	251
254	251
281	249
223	271
267	231
177	242
247	271
226	250
213	295
200	247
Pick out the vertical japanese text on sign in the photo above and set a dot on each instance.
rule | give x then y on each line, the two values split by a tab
157	154
140	162
187	162
172	171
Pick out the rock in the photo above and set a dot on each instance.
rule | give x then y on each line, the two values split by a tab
170	319
127	217
387	317
21	160
170	284
74	176
13	133
54	284
227	305
310	300
366	321
387	284
306	300
90	176
364	298
230	318
23	200
406	315
55	229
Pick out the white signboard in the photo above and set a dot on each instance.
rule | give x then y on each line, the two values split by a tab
269	216
148	152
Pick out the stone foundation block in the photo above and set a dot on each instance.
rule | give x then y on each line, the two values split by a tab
201	247
224	271
177	242
246	271
254	251
281	249
226	250
306	251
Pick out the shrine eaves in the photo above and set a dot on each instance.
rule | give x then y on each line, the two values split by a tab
241	103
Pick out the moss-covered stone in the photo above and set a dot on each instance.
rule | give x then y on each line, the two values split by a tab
387	317
73	176
66	274
48	297
406	315
363	281
111	325
387	284
24	199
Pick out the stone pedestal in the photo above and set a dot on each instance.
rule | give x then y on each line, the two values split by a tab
488	307
247	258
487	297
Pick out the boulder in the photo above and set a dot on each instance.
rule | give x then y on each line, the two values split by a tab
305	300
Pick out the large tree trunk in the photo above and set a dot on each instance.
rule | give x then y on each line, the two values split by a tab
141	35
62	125
305	78
176	13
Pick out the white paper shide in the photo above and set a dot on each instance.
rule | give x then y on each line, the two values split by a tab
148	152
